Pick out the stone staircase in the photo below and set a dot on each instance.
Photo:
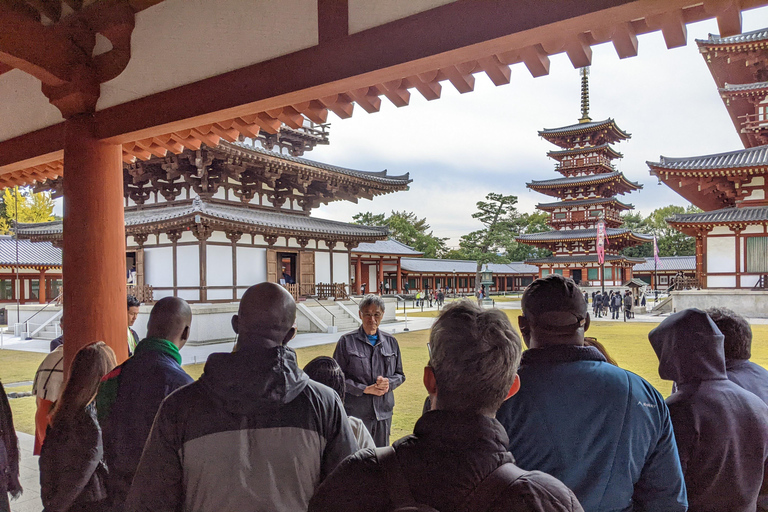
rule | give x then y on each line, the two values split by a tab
335	315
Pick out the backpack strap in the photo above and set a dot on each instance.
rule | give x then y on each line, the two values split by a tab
397	487
491	486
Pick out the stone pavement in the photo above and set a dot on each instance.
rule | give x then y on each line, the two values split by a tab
30	480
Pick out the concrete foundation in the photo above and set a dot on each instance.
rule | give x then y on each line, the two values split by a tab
751	304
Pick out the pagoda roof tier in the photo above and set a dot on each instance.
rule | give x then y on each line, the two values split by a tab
199	215
750	39
584	258
593	133
606	148
609	182
715	181
691	223
578	235
585	202
750	89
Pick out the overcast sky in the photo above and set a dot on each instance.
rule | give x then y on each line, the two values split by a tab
462	146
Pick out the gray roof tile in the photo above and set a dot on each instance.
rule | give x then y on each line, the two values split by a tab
389	246
583	127
577	234
447	267
584	202
732	214
667	263
30	254
743	87
587	258
746	37
750	157
582	180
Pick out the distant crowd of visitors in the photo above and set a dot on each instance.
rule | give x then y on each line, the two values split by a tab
613	302
557	427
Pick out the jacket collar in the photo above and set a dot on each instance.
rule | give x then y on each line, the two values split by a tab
470	431
555	354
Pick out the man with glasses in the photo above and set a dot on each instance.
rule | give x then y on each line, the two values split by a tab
370	359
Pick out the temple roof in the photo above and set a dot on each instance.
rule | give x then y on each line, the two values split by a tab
222	216
29	254
585	258
580	234
667	263
447	267
747	37
388	246
557	155
584	202
581	180
736	88
746	214
740	158
583	128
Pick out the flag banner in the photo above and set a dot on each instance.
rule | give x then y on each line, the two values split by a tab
601	241
655	251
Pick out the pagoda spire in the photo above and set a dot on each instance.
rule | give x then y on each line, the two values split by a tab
585	95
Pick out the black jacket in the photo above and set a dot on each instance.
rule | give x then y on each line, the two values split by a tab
362	364
447	456
750	376
72	467
721	430
253	433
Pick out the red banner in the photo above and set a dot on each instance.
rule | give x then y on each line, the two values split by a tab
601	242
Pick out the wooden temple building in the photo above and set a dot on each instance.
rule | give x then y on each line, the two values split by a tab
587	194
206	224
29	273
732	233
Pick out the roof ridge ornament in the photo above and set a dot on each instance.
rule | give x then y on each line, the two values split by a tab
584	95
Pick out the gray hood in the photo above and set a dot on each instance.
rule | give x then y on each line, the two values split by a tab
251	379
689	347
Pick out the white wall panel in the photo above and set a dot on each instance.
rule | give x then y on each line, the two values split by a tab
322	267
341	267
189	294
721	230
251	266
219	294
365	14
219	236
721	281
201	39
372	278
218	267
158	266
188	265
24	106
721	254
749	281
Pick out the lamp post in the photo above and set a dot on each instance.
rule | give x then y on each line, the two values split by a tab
486	280
454	283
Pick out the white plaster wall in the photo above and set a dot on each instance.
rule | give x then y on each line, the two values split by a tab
721	255
259	240
757	181
220	194
753	229
159	294
323	267
757	195
721	230
372	278
721	281
187	236
340	267
218	268
23	105
201	39
188	265
219	236
189	294
365	14
219	294
158	266
292	243
251	266
749	281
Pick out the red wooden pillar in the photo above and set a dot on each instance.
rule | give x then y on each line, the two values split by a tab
379	285
358	275
41	288
399	277
94	242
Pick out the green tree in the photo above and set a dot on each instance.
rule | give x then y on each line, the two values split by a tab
527	223
639	224
670	241
27	206
407	228
497	214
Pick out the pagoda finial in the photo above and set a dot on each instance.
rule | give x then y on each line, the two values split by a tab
585	95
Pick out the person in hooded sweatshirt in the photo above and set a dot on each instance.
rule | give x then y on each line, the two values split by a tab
721	429
253	433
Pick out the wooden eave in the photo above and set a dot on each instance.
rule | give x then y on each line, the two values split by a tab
709	189
695	228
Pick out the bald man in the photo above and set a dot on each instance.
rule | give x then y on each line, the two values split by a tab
253	433
131	394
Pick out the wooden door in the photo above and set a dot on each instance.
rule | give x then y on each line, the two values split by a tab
272	266
306	272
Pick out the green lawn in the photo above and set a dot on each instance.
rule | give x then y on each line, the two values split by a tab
626	342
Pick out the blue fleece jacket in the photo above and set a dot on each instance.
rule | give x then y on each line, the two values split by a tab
603	431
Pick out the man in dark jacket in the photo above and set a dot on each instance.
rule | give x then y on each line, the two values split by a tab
615	305
455	446
253	433
603	431
370	360
737	346
721	429
130	395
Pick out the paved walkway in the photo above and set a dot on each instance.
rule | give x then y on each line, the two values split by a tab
30	479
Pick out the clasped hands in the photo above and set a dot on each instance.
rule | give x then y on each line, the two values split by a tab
381	387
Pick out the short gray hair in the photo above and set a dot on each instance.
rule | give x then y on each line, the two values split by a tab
475	354
372	299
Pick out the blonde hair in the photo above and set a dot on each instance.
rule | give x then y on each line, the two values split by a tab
91	363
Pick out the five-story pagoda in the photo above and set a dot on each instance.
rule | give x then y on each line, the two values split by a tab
587	195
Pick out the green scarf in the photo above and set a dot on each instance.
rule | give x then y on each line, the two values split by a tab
160	345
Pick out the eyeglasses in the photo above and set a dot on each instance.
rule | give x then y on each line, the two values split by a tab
429	349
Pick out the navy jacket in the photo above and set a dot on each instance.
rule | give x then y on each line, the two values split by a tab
721	429
603	431
128	400
750	376
362	364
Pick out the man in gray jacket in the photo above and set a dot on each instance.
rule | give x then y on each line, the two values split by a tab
370	360
253	433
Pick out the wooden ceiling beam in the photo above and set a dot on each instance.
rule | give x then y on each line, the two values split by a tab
151	147
728	18
188	142
579	51
248	129
426	84
672	26
624	40
267	123
395	92
165	141
313	110
536	60
289	116
367	99
500	74
229	134
463	82
339	104
211	140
